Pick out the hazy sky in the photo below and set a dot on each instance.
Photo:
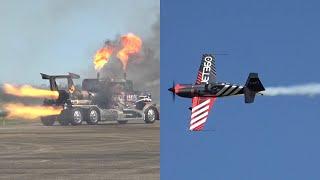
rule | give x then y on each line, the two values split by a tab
62	36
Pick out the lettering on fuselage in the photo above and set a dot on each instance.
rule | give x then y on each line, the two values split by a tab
206	69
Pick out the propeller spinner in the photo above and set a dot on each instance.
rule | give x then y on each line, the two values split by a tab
173	91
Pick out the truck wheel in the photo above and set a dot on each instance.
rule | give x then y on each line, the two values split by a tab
48	120
76	116
63	119
123	122
150	115
93	116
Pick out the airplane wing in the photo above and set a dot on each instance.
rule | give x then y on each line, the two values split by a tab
207	70
201	107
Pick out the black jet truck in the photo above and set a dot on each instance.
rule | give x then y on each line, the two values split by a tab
98	100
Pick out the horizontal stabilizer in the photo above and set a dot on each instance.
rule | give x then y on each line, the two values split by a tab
249	95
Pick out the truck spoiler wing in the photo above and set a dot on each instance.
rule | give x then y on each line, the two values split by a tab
70	75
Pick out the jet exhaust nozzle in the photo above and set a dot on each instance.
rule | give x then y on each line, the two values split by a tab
63	97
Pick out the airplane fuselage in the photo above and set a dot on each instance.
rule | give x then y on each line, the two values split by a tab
207	90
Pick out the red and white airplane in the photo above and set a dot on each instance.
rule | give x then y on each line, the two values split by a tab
206	89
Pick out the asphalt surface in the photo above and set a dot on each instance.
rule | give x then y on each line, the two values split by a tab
106	151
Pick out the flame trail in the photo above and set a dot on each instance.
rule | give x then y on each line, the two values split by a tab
18	110
311	89
131	44
29	91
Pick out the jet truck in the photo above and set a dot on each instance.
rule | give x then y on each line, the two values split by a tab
99	99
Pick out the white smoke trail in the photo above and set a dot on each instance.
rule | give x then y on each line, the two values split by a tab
311	89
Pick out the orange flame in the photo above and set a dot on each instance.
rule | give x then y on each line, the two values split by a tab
29	91
131	44
102	57
29	112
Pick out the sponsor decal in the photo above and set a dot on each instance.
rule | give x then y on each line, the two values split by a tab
206	69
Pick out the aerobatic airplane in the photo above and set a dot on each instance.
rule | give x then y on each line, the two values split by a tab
206	89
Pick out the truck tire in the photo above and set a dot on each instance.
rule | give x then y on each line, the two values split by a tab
63	118
76	117
122	121
150	115
48	120
93	116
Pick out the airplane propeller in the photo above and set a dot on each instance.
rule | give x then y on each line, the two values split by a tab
172	89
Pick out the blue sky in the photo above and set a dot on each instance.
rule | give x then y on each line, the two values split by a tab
274	138
62	36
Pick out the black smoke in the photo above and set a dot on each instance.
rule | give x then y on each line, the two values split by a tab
144	68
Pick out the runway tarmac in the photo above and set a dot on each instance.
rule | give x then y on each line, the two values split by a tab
106	151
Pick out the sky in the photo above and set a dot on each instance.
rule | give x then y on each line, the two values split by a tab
273	138
62	36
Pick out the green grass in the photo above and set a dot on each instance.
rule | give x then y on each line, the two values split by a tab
8	122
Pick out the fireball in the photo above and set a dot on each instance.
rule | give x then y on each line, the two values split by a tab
102	57
131	44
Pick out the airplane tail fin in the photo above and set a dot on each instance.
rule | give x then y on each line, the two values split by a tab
253	86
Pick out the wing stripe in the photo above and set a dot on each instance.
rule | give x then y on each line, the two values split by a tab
199	123
229	94
198	81
222	90
199	128
236	91
229	91
199	117
199	111
201	105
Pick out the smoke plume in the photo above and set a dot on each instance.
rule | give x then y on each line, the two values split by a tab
311	89
144	68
